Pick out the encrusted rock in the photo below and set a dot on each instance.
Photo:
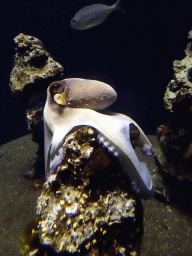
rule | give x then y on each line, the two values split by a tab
71	218
34	69
32	63
86	207
175	134
179	91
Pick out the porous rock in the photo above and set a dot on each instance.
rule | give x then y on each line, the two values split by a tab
86	207
32	63
175	134
34	69
179	91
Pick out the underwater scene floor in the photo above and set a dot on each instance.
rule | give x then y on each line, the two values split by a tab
18	197
167	228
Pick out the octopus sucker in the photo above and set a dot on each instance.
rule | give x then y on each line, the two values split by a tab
116	132
116	154
111	149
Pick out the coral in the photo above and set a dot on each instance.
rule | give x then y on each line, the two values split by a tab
32	63
86	206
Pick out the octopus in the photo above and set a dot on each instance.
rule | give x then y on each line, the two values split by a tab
77	102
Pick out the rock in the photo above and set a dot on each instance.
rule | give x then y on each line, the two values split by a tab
175	134
32	63
34	69
87	206
179	91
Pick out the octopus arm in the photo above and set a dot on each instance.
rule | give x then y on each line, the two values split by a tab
47	145
118	138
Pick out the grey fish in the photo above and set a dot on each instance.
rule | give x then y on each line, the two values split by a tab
93	15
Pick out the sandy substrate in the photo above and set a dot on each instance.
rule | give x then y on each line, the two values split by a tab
18	197
167	229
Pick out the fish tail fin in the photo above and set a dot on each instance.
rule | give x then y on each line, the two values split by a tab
117	6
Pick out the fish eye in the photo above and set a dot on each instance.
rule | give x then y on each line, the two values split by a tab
73	21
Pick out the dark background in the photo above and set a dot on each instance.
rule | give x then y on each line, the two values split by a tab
133	52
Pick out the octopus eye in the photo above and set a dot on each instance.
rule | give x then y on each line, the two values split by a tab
55	87
59	92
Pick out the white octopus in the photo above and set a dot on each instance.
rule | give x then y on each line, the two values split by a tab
72	102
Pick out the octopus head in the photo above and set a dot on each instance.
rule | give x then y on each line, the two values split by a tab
82	93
